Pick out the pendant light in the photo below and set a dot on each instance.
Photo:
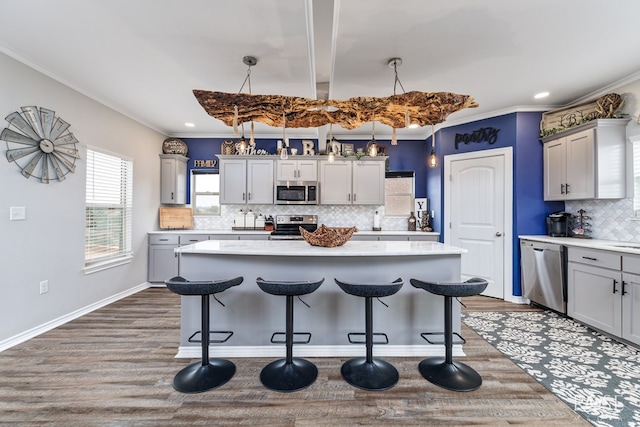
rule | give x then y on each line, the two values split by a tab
283	153
243	142
372	146
433	159
332	156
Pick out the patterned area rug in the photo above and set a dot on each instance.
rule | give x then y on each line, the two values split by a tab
594	374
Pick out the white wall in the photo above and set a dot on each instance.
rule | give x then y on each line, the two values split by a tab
49	245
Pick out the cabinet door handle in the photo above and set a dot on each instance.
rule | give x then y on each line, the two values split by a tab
163	240
172	195
249	196
624	292
567	188
354	197
615	282
243	196
590	259
561	188
349	197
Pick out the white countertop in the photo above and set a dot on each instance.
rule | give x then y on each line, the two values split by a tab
609	245
302	248
359	232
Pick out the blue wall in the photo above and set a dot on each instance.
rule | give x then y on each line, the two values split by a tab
519	131
408	155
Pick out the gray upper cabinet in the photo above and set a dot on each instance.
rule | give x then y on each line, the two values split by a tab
297	170
173	179
586	162
352	182
246	181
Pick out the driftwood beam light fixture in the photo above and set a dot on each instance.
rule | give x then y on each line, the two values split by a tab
423	108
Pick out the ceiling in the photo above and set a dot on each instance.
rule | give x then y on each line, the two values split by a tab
143	58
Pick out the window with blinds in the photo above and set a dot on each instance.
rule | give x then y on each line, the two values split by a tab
636	179
108	209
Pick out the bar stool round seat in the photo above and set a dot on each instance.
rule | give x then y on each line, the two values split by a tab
369	373
444	371
291	373
208	373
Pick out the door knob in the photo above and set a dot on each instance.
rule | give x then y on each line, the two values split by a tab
498	234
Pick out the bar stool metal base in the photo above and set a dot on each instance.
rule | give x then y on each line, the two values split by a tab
375	375
197	377
455	376
285	377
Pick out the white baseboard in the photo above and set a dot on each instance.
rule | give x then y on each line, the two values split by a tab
41	329
195	352
517	300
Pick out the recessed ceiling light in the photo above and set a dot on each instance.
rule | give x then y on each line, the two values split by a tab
541	95
414	125
189	125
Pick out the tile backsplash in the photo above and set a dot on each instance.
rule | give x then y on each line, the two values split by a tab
332	216
610	219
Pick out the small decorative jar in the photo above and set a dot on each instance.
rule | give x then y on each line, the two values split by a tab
412	222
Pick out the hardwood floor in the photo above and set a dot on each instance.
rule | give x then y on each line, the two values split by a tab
115	366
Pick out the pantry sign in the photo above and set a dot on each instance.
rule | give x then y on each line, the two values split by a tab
488	135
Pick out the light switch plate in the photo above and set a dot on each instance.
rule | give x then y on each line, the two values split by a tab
17	213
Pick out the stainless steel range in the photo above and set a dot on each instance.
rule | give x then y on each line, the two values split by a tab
287	226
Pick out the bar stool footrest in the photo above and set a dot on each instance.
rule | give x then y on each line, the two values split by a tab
460	341
375	334
212	341
284	341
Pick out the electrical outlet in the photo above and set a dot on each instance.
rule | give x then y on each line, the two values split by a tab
44	287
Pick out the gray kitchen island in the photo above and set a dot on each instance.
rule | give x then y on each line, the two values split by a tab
253	315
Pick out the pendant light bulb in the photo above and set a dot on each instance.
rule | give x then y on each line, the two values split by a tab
243	145
433	159
372	148
283	153
330	145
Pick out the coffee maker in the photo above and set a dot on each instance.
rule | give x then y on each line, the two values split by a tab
558	224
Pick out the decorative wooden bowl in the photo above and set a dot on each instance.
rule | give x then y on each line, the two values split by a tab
328	237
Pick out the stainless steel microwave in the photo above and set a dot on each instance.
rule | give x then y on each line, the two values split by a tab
297	193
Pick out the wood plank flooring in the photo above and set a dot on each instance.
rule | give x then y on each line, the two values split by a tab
114	367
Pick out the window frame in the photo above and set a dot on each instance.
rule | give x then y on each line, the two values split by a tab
124	254
412	195
194	193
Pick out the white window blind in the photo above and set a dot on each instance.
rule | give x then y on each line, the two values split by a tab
108	208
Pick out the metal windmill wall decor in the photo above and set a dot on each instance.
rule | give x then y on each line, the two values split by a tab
40	144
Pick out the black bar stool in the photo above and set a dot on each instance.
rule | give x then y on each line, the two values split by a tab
289	374
444	371
369	373
206	374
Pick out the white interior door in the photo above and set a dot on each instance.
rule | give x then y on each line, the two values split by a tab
478	215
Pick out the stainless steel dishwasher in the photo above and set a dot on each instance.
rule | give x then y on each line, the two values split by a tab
544	277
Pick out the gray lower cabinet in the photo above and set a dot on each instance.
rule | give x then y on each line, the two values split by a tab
631	298
601	295
163	262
